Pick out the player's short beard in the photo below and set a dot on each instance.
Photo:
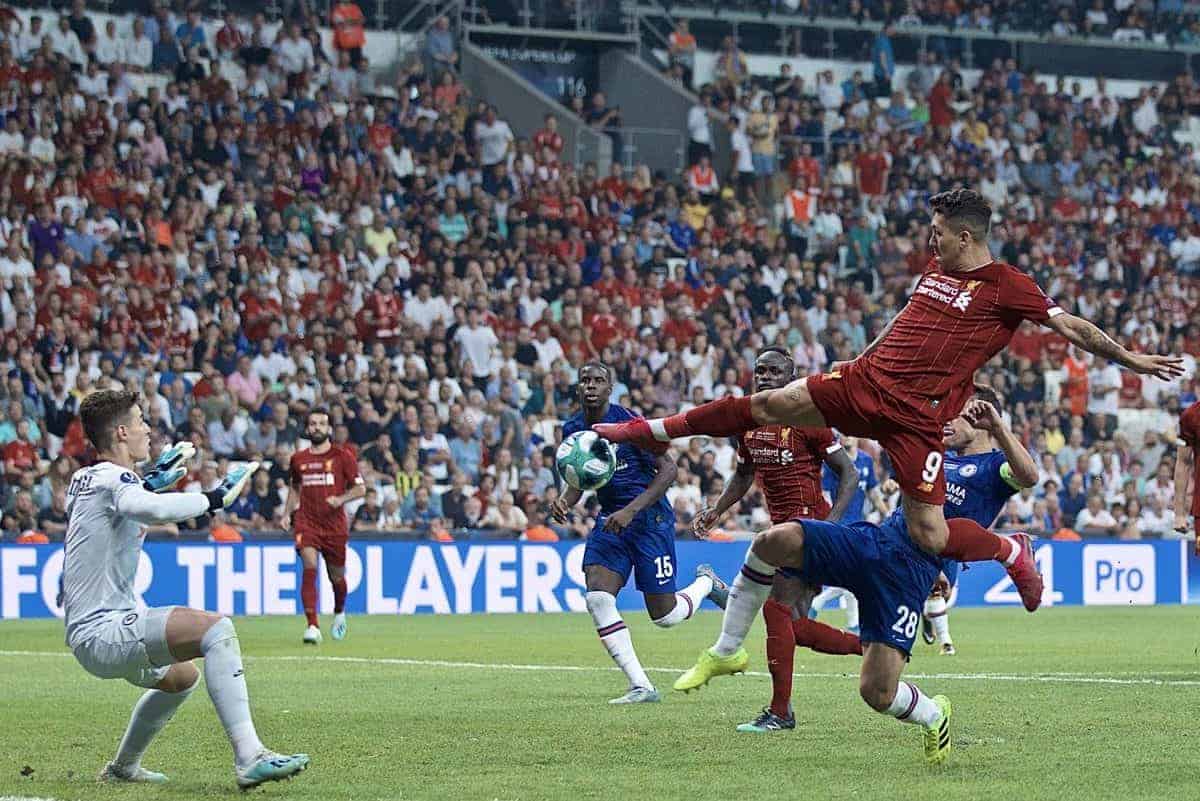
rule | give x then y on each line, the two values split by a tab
318	438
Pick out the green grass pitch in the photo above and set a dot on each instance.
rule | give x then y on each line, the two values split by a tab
1065	704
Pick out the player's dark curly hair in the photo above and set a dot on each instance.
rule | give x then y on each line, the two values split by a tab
104	410
988	395
964	209
316	410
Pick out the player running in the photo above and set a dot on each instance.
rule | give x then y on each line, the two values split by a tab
913	379
324	478
888	573
987	467
866	488
110	633
786	462
1185	469
635	531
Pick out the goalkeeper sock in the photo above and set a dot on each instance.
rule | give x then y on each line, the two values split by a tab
150	714
616	638
747	594
913	706
225	678
308	595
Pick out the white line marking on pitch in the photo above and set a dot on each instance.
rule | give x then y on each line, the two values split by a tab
1057	678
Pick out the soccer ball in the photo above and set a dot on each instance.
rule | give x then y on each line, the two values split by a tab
586	460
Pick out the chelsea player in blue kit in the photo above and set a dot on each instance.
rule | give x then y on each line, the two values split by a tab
985	466
885	569
867	488
635	532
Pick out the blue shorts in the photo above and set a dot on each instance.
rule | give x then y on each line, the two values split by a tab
885	570
646	547
764	164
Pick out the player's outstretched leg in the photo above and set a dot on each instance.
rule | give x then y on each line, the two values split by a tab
938	614
824	639
881	688
725	417
667	611
780	545
151	713
192	633
970	542
615	637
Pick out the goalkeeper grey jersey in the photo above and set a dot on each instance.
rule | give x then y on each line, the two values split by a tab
107	508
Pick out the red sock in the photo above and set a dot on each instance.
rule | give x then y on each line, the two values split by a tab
339	596
726	417
781	653
971	542
308	595
825	639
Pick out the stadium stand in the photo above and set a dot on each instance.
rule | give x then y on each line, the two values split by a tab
248	236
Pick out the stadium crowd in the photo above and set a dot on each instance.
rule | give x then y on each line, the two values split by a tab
271	232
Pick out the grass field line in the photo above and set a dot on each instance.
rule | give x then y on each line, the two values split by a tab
1128	679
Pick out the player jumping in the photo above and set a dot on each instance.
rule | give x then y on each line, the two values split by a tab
912	380
787	461
635	531
866	488
324	478
110	634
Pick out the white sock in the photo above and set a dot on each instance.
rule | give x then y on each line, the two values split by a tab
851	610
1014	553
826	597
616	638
937	611
150	714
913	706
687	601
226	681
747	595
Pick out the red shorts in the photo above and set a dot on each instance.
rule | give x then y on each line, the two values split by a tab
330	545
853	403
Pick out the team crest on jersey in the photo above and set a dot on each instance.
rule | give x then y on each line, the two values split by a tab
328	465
784	432
968	470
129	619
128	478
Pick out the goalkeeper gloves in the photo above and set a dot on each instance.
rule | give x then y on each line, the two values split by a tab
169	468
228	490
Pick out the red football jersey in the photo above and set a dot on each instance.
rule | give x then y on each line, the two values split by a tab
787	464
1189	432
317	476
952	326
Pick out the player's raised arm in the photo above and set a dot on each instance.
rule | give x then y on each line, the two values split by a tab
134	501
735	490
664	477
1082	334
1022	469
842	465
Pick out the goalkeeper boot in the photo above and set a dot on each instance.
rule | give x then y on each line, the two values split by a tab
137	774
709	666
338	629
312	636
270	767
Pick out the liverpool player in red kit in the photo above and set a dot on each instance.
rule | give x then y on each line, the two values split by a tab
324	478
913	379
1185	471
787	463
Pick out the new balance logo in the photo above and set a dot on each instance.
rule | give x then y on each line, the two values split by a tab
962	301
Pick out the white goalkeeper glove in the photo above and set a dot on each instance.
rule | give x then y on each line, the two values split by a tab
228	490
169	468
